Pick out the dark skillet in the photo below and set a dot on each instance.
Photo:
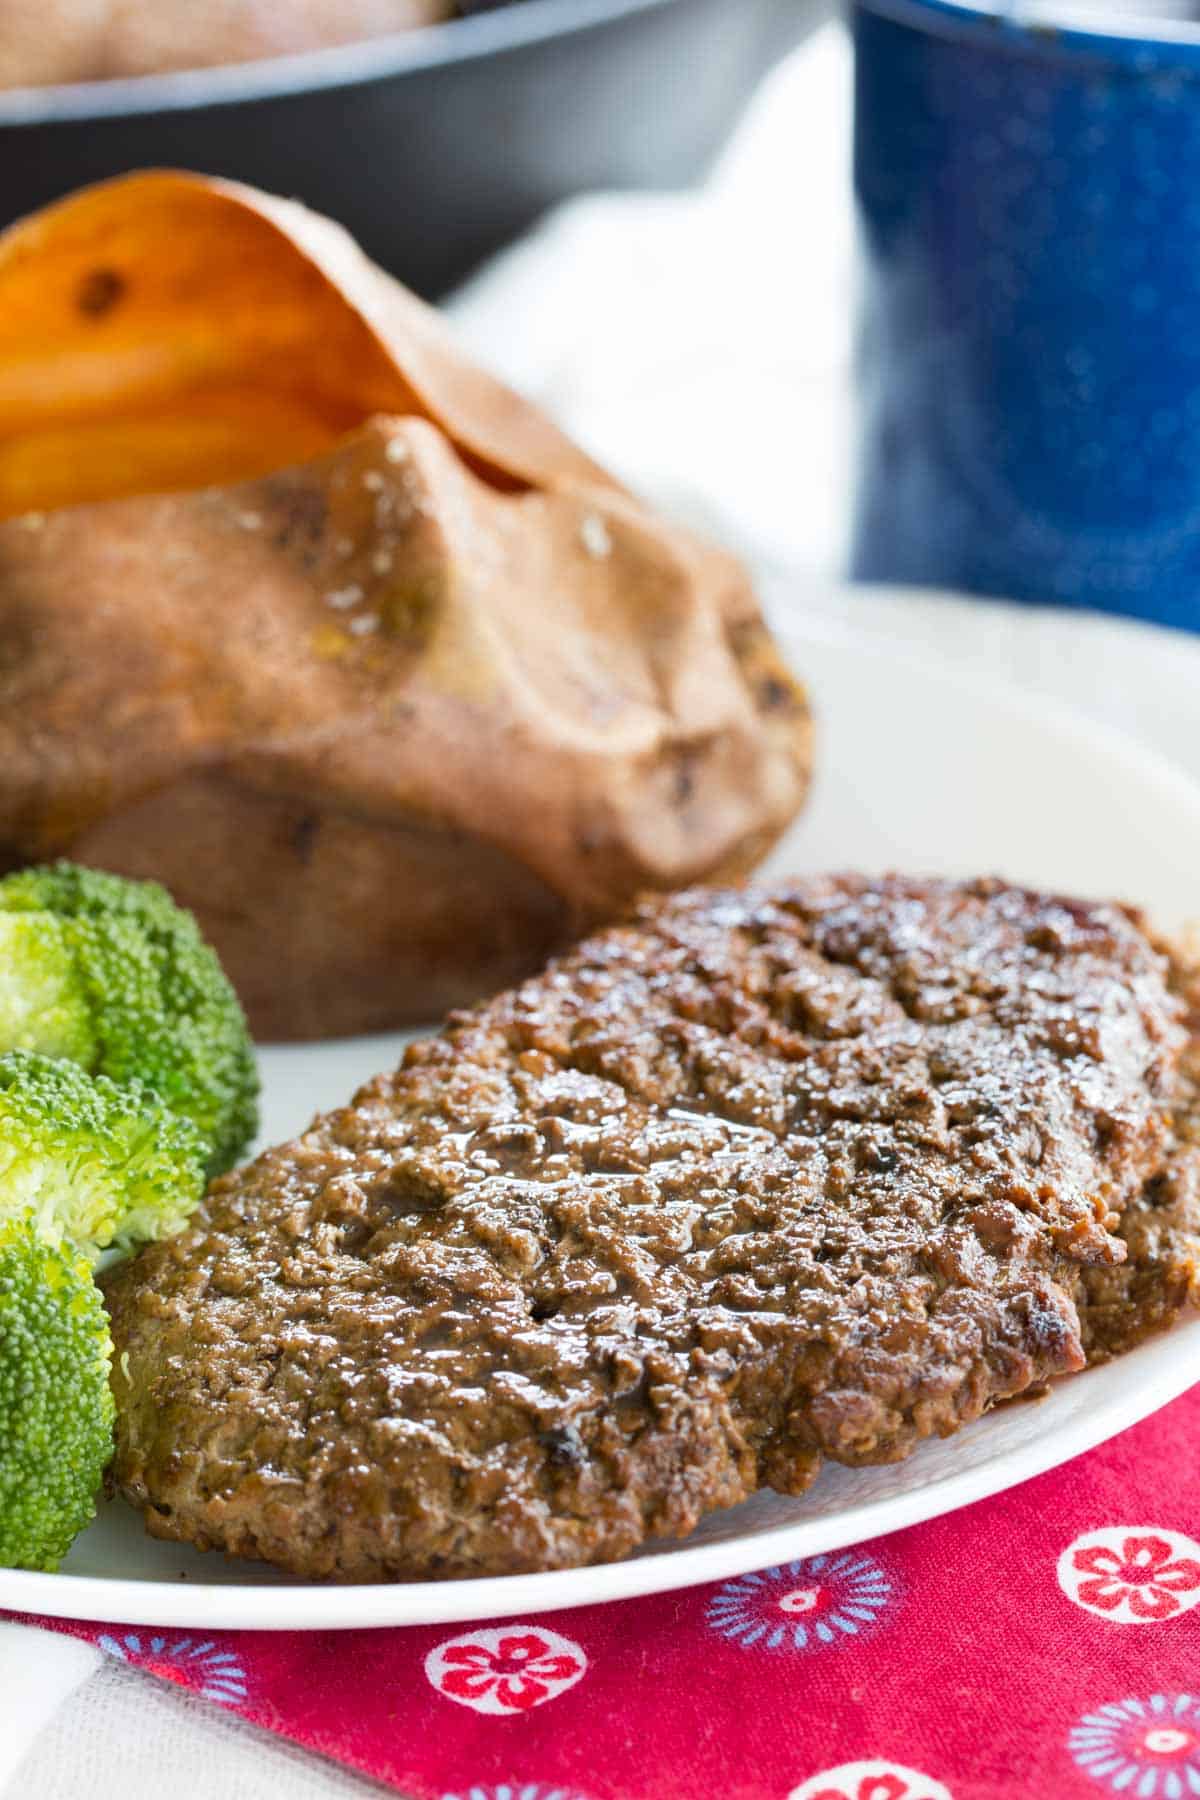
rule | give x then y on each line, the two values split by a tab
434	146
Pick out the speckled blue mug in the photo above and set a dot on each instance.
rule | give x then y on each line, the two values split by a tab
1030	354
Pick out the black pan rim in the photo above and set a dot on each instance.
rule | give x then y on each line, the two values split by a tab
373	60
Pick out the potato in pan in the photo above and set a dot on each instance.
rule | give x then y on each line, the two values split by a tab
98	40
307	617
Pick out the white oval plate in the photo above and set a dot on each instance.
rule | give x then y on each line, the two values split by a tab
920	769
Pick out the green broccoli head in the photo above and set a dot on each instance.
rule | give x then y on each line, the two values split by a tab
112	975
94	1163
56	1408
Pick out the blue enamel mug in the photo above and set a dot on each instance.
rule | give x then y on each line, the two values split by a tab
1028	185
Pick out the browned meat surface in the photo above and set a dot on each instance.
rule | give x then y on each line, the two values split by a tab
1123	1303
754	1180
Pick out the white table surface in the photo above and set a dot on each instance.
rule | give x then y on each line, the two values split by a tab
701	346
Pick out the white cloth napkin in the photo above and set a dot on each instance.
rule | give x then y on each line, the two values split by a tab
38	1673
700	345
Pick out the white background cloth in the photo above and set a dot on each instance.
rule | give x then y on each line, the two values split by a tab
700	345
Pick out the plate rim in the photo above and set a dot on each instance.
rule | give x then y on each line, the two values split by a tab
299	1606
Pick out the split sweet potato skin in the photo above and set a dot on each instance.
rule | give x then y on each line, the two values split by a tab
387	743
169	331
398	692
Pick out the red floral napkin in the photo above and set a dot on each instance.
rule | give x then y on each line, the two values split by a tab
1045	1643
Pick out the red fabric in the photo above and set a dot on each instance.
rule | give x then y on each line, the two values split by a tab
983	1656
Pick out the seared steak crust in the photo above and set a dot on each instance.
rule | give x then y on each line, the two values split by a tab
1122	1303
755	1179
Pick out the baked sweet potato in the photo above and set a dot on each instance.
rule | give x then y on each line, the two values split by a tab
313	621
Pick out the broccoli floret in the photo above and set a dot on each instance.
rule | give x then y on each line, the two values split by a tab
56	1408
112	975
94	1163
